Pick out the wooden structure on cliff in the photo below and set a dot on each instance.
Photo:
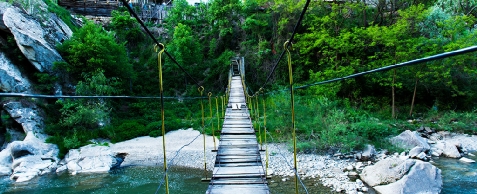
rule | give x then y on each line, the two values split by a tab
147	10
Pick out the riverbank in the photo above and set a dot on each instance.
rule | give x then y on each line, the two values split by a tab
185	148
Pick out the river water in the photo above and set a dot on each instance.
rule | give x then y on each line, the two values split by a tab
458	177
135	180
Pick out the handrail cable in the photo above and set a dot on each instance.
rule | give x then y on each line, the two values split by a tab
411	62
74	97
155	40
289	40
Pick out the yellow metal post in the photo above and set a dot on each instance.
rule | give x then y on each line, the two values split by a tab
265	131
217	112
222	99
201	90
161	91
292	99
210	117
258	119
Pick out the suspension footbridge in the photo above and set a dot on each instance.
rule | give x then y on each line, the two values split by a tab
238	165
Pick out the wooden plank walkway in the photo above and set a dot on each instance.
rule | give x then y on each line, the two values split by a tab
238	166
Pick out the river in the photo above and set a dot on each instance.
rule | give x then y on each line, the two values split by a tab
458	177
135	180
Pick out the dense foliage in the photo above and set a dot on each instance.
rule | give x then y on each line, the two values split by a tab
335	39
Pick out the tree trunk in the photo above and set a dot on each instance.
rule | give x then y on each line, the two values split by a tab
413	97
393	107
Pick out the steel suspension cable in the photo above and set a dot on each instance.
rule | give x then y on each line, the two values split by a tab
76	97
407	63
289	40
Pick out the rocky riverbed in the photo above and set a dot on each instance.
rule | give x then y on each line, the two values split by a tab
356	172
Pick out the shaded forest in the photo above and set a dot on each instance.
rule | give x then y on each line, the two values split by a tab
336	38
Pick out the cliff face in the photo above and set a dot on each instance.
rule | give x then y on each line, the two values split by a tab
35	32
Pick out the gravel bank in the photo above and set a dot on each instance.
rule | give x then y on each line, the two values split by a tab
148	151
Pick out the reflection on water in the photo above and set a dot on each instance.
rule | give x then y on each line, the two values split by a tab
458	177
136	180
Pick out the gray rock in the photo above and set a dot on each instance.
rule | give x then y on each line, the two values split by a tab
436	152
3	8
421	156
320	165
28	116
386	171
423	177
5	163
11	80
30	38
364	189
416	151
28	167
61	169
368	153
466	142
31	158
448	150
91	158
409	139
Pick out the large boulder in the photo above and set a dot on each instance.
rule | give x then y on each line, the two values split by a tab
422	177
5	163
28	158
3	8
386	171
448	149
35	42
28	115
11	79
409	139
31	156
91	158
467	142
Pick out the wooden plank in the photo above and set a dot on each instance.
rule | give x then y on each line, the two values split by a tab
242	189
238	142
239	171
226	137
238	166
229	181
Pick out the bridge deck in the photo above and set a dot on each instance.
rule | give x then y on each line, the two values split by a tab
238	166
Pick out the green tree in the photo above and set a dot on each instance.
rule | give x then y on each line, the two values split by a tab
127	28
92	48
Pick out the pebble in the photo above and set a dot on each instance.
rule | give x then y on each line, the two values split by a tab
349	168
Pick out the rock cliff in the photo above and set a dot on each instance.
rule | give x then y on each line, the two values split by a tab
23	157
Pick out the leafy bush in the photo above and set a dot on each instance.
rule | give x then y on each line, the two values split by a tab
155	133
128	130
